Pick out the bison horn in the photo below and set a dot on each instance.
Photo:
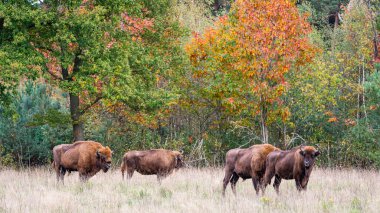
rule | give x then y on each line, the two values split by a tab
97	154
107	147
302	150
317	146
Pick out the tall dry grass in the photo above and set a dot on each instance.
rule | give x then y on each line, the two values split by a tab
188	190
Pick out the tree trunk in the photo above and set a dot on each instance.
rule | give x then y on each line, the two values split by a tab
78	129
333	40
360	113
161	132
285	144
264	127
375	38
75	117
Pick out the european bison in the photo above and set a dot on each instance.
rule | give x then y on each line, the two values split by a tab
291	164
246	163
158	162
86	157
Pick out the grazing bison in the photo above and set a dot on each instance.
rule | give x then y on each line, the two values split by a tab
246	163
158	162
291	164
86	157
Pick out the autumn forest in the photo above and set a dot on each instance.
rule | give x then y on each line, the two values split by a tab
198	76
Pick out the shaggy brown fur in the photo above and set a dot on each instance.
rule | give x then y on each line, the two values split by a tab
86	157
158	162
246	163
57	152
292	164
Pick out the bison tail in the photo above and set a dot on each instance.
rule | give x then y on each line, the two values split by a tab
123	167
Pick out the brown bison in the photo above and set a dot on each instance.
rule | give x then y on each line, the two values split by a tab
291	164
158	162
86	157
246	163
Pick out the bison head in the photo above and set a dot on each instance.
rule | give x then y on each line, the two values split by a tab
103	156
179	160
309	154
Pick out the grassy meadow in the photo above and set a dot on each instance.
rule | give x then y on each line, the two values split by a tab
188	190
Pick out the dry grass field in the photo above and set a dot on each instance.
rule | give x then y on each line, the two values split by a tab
188	190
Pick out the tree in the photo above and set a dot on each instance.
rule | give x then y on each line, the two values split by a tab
94	50
329	104
28	135
249	53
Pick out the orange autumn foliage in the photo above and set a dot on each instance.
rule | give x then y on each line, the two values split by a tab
256	46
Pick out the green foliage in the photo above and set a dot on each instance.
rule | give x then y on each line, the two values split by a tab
372	88
323	10
26	144
109	50
6	159
194	15
324	100
363	146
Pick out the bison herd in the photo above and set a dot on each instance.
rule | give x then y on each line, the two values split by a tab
258	162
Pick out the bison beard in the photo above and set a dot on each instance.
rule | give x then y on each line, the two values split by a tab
292	164
86	157
158	162
246	163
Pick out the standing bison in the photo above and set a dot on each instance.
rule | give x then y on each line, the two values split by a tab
246	163
86	157
158	162
292	164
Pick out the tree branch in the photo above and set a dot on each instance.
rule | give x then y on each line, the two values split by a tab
90	105
77	62
55	76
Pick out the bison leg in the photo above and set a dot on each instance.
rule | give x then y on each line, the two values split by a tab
91	174
57	169
298	184
62	172
277	182
162	175
256	184
304	187
123	168
234	179
58	176
83	174
129	173
227	178
58	173
159	178
83	177
304	183
269	173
